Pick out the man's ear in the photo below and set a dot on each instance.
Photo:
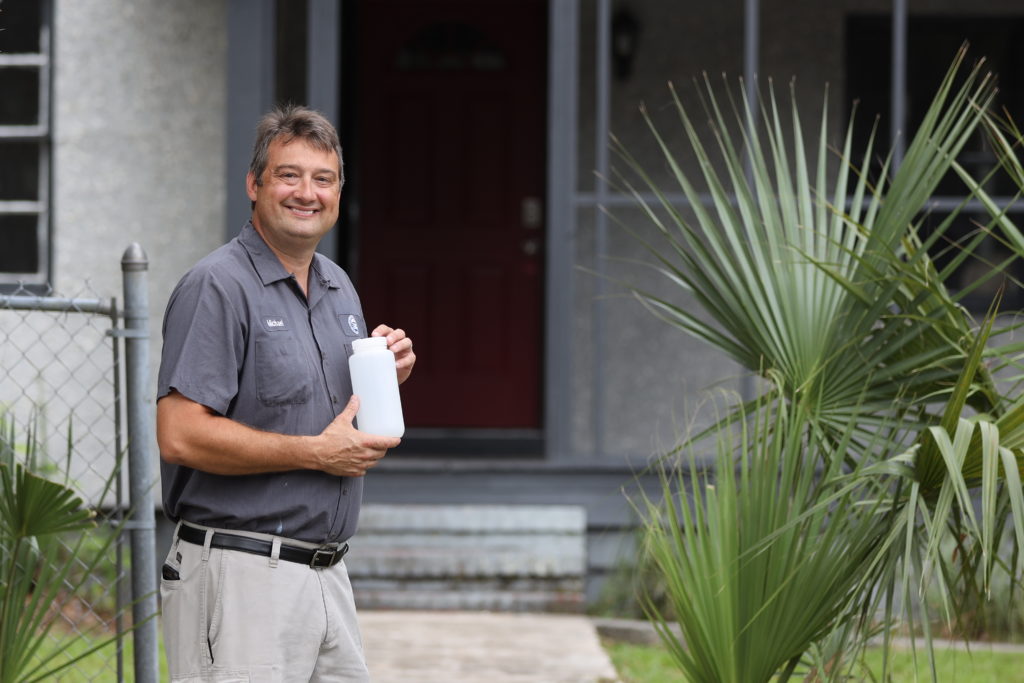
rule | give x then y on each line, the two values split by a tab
250	186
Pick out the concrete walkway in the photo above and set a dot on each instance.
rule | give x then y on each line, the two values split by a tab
482	647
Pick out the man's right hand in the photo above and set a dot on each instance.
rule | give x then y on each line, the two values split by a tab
345	451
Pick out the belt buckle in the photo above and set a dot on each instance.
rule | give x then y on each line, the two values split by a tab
327	557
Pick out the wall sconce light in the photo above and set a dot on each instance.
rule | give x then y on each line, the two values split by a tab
625	31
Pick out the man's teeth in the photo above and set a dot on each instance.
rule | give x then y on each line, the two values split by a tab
303	212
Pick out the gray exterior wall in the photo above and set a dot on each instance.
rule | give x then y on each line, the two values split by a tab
653	375
139	127
140	117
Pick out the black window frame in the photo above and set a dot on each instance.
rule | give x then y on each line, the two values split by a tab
932	40
39	134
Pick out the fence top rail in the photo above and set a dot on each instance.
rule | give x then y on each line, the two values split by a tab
59	305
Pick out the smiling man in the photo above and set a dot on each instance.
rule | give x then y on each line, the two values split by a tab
261	465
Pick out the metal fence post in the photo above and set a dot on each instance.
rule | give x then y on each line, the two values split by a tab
142	525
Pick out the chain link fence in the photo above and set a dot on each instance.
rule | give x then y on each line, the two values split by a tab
64	394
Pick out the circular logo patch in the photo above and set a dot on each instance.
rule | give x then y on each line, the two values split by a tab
353	324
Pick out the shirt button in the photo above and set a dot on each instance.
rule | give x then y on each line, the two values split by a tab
334	398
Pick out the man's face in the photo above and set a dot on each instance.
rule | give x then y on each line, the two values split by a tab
298	201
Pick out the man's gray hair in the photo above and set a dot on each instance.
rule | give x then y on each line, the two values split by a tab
288	122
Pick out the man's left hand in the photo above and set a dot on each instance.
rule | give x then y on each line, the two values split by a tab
401	346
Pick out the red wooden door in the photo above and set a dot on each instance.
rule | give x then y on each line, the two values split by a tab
451	121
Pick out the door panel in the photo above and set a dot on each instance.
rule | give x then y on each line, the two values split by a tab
451	123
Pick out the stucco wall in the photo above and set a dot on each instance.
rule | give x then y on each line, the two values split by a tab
139	119
139	101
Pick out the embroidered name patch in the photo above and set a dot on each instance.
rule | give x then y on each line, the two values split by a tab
274	323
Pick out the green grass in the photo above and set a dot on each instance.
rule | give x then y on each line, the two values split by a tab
642	663
652	664
102	664
978	666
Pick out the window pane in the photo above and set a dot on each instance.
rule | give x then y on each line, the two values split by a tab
19	25
19	170
932	41
20	104
992	266
19	247
450	46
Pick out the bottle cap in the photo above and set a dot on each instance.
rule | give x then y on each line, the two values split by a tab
370	344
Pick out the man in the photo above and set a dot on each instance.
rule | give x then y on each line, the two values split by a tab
261	463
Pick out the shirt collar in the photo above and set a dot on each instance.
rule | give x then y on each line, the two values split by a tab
269	268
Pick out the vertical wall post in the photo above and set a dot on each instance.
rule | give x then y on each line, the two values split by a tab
323	68
250	95
602	129
563	85
751	66
898	93
142	524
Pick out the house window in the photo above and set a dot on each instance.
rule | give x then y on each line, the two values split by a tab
24	143
450	46
932	42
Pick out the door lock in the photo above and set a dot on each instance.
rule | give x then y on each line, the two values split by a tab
532	213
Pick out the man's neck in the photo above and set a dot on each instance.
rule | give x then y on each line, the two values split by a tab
296	259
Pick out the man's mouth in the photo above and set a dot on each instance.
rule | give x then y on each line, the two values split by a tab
303	213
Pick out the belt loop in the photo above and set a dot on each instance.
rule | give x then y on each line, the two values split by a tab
275	552
177	540
206	544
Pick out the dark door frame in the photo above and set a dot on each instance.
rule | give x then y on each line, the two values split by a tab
250	79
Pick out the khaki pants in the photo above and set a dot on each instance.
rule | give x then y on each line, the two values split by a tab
234	616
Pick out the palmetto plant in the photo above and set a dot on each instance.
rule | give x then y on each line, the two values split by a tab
882	421
761	564
36	571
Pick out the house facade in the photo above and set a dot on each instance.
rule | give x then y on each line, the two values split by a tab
475	213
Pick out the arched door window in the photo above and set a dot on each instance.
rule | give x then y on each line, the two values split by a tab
450	46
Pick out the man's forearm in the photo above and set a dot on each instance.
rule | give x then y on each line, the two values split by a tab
192	435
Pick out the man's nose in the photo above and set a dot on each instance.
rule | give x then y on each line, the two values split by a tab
304	189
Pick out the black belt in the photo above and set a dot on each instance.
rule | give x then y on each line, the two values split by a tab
316	558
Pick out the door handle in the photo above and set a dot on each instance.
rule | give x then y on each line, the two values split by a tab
531	213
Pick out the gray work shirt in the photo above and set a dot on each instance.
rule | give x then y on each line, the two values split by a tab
241	339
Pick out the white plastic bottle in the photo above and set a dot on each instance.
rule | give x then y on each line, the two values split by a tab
375	382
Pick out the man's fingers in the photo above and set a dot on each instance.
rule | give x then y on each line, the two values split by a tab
403	345
350	411
395	337
381	443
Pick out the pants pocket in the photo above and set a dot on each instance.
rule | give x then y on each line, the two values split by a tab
170	572
189	610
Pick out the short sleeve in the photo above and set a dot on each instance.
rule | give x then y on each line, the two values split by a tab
204	345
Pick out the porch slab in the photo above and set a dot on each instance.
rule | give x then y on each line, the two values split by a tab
470	647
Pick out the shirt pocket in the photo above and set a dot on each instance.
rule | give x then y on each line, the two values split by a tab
282	374
353	326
